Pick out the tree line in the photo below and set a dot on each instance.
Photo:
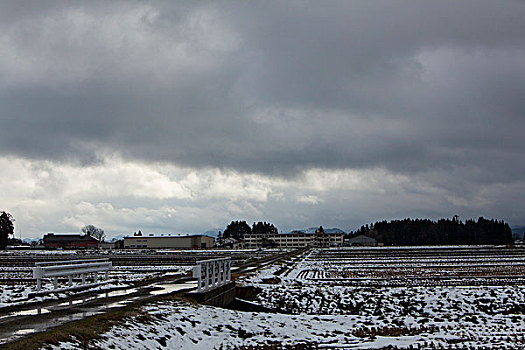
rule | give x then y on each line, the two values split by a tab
442	232
239	229
396	232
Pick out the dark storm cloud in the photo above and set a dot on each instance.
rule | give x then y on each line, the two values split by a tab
269	87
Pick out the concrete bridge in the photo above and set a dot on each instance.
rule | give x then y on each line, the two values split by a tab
214	284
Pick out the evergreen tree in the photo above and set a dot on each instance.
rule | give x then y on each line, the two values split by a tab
263	228
7	228
236	230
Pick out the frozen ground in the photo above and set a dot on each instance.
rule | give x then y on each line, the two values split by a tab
180	325
319	306
432	306
473	309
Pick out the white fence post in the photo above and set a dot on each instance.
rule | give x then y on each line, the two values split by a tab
206	276
221	273
197	272
213	274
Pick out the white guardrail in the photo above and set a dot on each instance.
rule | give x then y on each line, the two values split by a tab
212	273
69	269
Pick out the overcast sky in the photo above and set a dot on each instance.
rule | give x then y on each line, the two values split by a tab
179	117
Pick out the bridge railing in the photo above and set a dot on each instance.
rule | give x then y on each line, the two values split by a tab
69	269
212	273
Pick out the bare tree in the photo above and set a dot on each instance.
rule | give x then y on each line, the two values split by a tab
93	231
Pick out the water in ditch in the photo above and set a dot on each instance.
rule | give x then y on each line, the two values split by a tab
37	319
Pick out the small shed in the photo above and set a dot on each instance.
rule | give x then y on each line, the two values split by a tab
362	240
232	243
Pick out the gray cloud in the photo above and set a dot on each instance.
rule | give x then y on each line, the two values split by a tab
433	90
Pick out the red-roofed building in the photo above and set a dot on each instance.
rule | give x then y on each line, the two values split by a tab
70	241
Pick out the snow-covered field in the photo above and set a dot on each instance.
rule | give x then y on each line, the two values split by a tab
180	325
484	304
431	305
482	308
410	267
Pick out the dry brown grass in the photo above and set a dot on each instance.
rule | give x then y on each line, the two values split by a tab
84	331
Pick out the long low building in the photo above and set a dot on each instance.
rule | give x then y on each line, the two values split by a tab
293	240
169	241
70	241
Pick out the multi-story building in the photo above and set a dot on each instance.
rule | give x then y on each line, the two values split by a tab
293	240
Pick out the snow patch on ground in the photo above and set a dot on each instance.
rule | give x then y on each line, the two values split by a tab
181	325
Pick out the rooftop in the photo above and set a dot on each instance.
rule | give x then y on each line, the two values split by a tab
165	235
67	237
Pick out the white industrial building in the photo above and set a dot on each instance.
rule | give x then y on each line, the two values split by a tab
169	241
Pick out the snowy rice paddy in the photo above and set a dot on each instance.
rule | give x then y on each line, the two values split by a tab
181	325
463	298
359	298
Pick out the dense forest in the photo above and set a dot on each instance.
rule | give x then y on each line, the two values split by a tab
444	231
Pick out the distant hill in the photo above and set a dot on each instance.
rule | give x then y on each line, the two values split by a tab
333	230
518	231
213	233
116	238
30	240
